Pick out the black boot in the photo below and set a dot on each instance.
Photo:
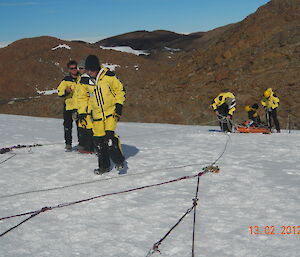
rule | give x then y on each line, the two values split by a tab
89	146
86	142
103	155
114	148
101	171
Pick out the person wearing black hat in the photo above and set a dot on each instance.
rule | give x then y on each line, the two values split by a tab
103	94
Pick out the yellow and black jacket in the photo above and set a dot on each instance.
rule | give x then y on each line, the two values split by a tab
100	96
252	114
271	101
219	103
70	101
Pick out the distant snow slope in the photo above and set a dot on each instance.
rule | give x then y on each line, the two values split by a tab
126	49
61	46
258	186
4	44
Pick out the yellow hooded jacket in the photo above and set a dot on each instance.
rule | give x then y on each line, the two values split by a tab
272	101
87	122
252	113
70	100
100	95
76	93
221	99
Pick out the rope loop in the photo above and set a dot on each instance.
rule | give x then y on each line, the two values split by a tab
45	209
195	201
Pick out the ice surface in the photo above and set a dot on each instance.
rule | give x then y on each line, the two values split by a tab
258	186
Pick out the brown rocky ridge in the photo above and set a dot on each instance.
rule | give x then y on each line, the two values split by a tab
169	86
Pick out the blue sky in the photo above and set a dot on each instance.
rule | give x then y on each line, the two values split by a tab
93	20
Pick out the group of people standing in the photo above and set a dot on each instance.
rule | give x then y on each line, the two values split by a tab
94	99
224	106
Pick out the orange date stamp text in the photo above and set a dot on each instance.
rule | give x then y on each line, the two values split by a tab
274	230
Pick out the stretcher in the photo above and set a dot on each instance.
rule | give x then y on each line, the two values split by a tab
242	129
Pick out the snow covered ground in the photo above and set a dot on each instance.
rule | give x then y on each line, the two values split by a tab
258	186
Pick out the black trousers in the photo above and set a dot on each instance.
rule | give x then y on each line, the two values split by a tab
68	125
225	124
108	147
272	115
86	139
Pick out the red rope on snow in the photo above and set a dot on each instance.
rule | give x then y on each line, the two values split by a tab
44	209
18	215
195	200
8	149
33	215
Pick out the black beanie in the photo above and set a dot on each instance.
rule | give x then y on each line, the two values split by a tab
92	63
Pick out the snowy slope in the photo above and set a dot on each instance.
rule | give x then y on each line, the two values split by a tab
126	49
258	186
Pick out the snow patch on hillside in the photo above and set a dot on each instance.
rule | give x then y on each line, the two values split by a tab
126	49
172	49
4	44
61	46
110	66
47	92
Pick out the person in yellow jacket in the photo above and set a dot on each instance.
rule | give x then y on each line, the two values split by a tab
253	114
103	94
85	132
224	107
66	90
270	102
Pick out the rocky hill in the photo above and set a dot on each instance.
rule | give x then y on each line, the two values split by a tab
143	39
151	40
37	64
259	52
247	57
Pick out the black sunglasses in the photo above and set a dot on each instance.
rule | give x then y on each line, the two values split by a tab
72	68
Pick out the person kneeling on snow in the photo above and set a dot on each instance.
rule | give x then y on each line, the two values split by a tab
253	115
224	106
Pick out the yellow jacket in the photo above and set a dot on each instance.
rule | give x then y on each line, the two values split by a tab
272	101
100	95
221	99
76	92
70	100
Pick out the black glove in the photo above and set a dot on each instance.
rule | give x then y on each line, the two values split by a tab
81	117
119	108
118	111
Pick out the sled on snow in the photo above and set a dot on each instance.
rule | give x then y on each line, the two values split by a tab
242	129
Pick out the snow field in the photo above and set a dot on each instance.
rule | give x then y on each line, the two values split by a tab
258	186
